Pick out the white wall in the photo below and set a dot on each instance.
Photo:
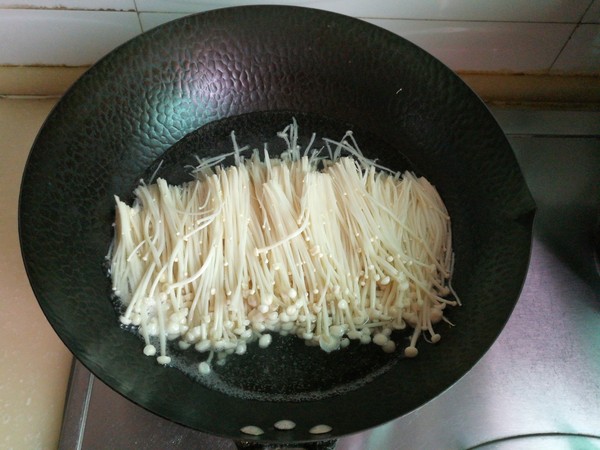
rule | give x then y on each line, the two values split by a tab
515	36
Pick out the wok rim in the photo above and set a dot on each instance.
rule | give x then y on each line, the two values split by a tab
526	218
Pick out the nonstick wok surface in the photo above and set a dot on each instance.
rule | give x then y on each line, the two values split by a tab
179	90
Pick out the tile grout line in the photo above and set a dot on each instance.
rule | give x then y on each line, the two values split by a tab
582	14
41	8
415	19
137	13
563	47
538	135
579	22
30	96
531	22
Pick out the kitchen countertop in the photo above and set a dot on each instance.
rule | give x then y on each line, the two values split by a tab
34	363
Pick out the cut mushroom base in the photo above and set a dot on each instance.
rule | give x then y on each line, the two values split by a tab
252	430
285	425
320	429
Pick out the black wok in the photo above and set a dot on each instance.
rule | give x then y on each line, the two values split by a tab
183	87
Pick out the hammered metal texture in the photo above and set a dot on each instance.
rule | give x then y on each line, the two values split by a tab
184	86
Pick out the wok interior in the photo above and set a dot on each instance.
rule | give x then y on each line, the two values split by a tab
141	104
288	370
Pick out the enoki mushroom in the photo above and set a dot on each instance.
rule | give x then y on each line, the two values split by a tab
325	245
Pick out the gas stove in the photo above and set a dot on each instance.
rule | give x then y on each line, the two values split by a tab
537	387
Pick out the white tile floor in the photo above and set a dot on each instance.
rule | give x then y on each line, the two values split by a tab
63	37
506	10
516	36
485	46
117	5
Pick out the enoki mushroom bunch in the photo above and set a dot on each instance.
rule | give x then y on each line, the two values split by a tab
329	248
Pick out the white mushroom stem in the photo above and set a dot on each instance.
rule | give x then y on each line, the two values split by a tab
326	249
